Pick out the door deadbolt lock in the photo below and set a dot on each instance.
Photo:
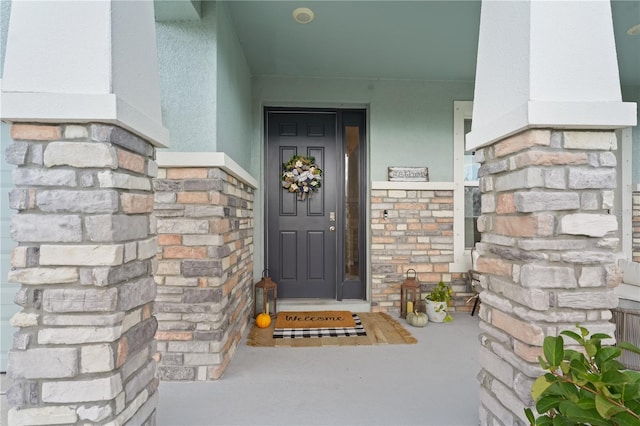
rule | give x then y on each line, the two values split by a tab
332	216
332	228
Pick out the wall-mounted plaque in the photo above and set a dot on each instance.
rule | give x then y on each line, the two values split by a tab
408	174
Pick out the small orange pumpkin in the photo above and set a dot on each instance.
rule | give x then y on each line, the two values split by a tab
263	320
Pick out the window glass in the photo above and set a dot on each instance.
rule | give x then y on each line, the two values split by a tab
471	196
352	202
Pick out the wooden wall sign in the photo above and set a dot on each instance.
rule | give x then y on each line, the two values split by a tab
408	174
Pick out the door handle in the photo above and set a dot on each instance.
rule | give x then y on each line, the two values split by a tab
332	228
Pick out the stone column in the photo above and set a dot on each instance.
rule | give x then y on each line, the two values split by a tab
205	265
85	258
547	255
548	244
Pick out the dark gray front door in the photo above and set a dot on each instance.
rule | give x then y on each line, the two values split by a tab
302	234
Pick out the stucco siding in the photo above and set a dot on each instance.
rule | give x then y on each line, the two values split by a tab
410	122
234	93
188	68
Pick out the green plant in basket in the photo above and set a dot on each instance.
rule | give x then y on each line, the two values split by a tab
438	301
589	386
440	293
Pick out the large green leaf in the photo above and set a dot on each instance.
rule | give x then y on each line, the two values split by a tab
574	336
540	385
600	336
606	408
544	421
629	347
544	364
615	364
579	372
579	414
614	377
553	349
633	405
591	347
634	375
562	421
548	402
606	354
569	390
628	391
530	416
587	402
555	388
625	419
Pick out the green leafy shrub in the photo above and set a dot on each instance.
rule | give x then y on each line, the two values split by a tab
585	388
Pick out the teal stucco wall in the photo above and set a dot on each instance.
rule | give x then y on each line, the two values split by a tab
5	11
233	135
205	85
187	67
410	122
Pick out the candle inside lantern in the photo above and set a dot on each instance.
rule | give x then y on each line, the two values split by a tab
267	308
409	307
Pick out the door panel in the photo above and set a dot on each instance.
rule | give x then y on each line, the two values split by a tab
315	253
301	248
289	258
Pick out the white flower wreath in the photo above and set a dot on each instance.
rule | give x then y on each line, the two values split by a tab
301	175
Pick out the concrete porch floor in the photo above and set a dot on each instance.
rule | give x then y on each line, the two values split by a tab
430	383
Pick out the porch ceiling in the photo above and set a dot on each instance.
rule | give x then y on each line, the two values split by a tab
432	40
422	39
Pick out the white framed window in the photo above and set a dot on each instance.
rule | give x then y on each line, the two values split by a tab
466	196
624	191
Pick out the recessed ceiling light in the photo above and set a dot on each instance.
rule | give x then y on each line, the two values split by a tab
635	30
303	15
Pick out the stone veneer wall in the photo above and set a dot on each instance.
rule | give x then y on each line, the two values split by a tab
205	270
86	243
636	226
417	234
547	255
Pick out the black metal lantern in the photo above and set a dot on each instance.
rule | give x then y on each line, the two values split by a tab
410	294
265	296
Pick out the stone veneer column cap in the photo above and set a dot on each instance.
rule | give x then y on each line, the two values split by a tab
166	159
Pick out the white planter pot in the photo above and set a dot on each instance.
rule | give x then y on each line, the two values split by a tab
436	311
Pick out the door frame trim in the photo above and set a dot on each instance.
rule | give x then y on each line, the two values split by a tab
364	237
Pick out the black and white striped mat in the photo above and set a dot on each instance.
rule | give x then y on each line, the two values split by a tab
294	333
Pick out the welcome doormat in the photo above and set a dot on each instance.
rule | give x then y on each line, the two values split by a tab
319	319
381	329
296	332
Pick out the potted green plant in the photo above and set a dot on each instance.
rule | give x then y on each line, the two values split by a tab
438	302
587	386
